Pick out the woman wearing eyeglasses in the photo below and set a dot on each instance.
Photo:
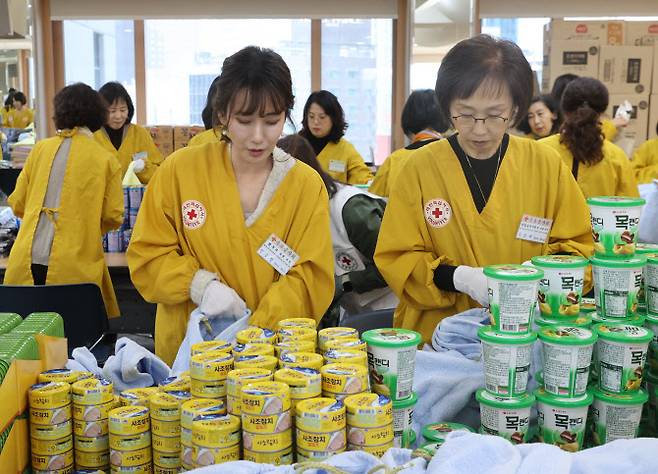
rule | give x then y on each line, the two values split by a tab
479	198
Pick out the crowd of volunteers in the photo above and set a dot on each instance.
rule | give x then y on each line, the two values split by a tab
245	220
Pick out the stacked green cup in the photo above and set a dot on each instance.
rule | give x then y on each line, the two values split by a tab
50	324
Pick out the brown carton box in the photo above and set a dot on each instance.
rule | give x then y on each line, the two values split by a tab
183	134
626	69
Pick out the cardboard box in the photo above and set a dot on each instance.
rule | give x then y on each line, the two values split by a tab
574	57
654	86
163	137
641	33
653	117
603	32
15	455
626	69
182	135
635	133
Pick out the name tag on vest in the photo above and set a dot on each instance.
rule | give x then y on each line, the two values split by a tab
534	229
337	166
275	252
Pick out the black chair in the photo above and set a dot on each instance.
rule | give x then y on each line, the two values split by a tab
382	318
81	306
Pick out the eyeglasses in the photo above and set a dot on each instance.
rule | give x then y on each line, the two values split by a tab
469	121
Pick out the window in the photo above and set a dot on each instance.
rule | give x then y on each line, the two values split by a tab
99	51
357	66
184	56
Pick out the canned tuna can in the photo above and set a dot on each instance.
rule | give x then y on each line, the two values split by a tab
216	431
49	395
90	429
53	447
165	470
369	410
205	389
253	348
280	458
303	382
176	383
165	406
293	345
297	323
320	415
137	396
267	443
197	407
256	334
168	460
346	356
377	451
256	361
260	424
370	436
130	442
93	412
211	366
50	417
216	345
92	445
346	344
51	432
63	375
92	460
344	378
309	360
167	444
330	334
292	333
165	428
66	470
238	377
234	405
332	441
52	463
143	469
315	456
92	391
129	420
204	456
134	458
265	398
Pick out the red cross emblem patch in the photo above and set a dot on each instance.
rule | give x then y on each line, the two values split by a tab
346	261
437	212
194	214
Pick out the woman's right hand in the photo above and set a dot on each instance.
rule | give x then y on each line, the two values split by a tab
220	299
472	282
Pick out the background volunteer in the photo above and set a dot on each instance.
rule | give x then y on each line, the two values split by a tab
542	119
211	208
457	206
20	115
645	161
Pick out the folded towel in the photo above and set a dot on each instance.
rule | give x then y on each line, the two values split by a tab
460	333
133	366
84	361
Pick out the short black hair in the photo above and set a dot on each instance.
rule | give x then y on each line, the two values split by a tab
561	83
264	77
113	91
19	96
78	105
551	104
420	112
482	58
207	117
9	101
332	108
299	147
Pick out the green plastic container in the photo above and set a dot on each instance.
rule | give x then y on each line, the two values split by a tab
587	305
651	323
505	417
512	296
621	353
650	285
506	361
50	324
561	288
616	285
562	421
438	432
615	222
584	320
616	416
9	321
403	415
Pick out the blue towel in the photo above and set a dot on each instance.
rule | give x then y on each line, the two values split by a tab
460	333
84	361
133	366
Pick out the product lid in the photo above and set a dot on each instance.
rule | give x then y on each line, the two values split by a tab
643	248
567	335
392	337
512	272
437	432
575	402
634	398
615	201
524	401
560	261
623	333
637	320
631	262
406	403
652	258
490	335
584	320
587	305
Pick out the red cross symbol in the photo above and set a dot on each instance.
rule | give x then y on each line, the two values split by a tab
192	214
346	261
437	213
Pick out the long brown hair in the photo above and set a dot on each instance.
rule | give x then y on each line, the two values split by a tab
299	147
583	101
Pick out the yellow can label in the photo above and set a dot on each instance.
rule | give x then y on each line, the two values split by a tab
255	334
377	451
253	348
347	344
265	398
179	383
130	442
238	377
168	460
309	441
130	458
370	436
165	428
344	378
167	444
93	391
90	429
185	436
296	333
234	405
281	458
293	345
204	456
93	412
216	431
62	375
329	334
51	432
309	360
268	443
303	382
320	415
211	366
196	407
346	356
143	469
205	389
66	470
92	460
92	445
50	417
187	456
211	346
138	396
165	406
129	420
267	423
314	456
256	360
49	395
165	470
51	463
368	410
296	323
50	448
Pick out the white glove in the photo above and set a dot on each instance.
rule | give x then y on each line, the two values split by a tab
220	299
473	282
138	165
